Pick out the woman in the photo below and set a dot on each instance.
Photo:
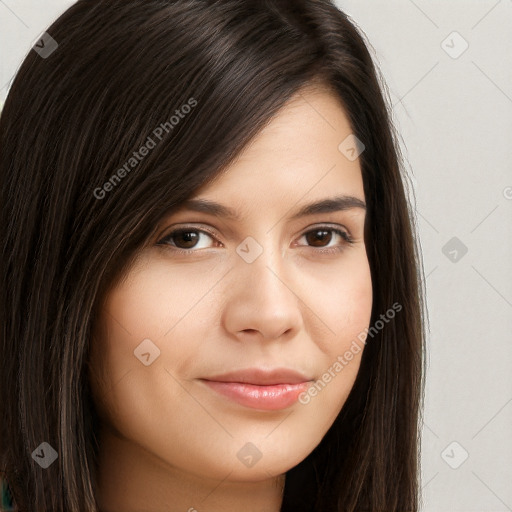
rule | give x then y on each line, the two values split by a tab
277	367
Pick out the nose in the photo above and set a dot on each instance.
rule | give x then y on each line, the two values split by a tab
260	302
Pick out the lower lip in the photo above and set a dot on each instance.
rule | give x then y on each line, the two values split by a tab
270	398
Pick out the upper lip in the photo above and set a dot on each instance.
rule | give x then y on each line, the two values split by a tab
262	377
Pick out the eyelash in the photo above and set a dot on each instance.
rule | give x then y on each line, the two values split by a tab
347	240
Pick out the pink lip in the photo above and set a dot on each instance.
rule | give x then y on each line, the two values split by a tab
260	389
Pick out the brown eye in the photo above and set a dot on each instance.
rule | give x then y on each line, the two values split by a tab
186	238
322	237
318	237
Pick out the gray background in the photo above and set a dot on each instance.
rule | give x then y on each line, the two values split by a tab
453	110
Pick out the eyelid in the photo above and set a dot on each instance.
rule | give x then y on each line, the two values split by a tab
181	227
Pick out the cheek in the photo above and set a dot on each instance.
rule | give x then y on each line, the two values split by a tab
344	305
155	303
152	303
342	300
155	299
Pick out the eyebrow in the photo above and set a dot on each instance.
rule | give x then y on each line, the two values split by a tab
328	205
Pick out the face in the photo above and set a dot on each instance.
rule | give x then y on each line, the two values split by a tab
209	350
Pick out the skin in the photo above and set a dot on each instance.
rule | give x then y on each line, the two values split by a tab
167	441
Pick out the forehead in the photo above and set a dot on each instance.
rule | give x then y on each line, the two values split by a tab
296	155
312	117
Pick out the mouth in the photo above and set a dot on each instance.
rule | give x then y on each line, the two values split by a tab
260	389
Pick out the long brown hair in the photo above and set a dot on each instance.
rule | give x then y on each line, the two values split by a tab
72	223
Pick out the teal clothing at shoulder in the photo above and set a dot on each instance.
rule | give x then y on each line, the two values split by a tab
5	496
